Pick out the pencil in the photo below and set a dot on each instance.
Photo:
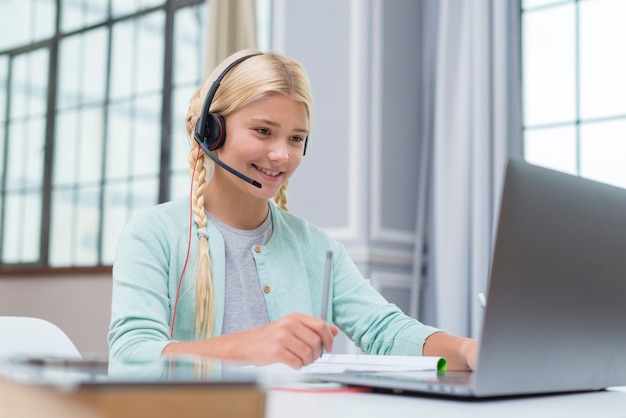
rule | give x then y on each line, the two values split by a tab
326	289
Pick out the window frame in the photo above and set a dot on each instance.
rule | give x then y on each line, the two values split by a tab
579	121
42	266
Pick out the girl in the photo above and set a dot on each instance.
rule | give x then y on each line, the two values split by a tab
243	280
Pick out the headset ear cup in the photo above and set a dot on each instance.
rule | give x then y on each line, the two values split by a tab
216	131
211	127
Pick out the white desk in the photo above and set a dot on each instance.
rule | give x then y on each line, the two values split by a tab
286	404
113	400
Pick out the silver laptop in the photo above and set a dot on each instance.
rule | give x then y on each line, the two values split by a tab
555	319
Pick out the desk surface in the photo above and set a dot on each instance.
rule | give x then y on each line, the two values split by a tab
102	400
290	404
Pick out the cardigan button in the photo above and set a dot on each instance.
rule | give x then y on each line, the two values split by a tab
257	249
266	289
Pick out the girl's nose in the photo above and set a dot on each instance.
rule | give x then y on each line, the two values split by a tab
279	151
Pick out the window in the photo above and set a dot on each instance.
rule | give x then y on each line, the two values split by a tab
574	87
93	95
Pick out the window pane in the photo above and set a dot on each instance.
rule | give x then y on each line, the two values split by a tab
4	74
4	70
134	140
29	84
22	226
149	53
1	227
137	62
90	141
12	231
120	203
44	19
64	170
180	185
549	65
87	223
180	141
189	44
94	65
16	150
540	3
75	222
2	141
144	194
78	147
26	21
25	158
146	141
77	14
124	7
82	75
119	136
31	228
115	215
603	148
69	92
602	30
62	228
552	147
122	59
13	29
35	148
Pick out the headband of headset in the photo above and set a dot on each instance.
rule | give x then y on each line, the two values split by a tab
211	128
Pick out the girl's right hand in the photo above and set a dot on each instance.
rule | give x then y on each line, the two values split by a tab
295	340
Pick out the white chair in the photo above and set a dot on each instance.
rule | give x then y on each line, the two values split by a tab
34	337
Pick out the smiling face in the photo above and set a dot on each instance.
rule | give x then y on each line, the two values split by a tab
264	141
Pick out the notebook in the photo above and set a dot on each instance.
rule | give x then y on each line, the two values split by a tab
555	315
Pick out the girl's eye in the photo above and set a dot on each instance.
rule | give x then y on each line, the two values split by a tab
297	138
263	131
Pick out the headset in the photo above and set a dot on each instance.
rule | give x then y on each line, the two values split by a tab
210	132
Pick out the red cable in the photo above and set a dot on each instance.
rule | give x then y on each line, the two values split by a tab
180	280
323	390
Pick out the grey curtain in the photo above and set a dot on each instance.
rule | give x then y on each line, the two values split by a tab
471	125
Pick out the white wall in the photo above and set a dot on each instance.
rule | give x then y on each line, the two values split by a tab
359	178
79	305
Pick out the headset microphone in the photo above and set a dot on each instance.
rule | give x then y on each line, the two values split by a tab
210	132
227	167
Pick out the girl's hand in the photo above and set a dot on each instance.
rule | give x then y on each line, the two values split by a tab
461	353
295	340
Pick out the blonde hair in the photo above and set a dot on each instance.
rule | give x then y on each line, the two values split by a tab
249	81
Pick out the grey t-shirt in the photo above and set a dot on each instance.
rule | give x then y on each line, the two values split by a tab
244	304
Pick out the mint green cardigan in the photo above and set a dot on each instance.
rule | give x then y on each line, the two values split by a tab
150	256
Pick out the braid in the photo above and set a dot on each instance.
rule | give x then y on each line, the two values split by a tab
205	308
281	197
